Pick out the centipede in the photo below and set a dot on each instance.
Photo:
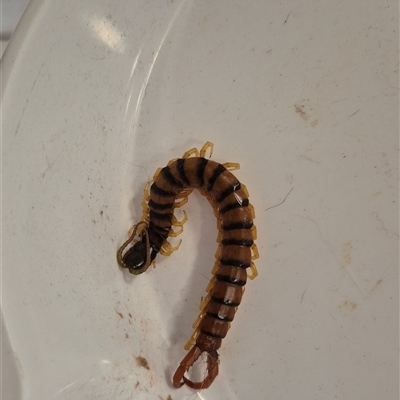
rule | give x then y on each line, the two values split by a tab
235	253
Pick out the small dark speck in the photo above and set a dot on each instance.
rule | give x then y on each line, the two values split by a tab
354	113
142	362
302	296
287	17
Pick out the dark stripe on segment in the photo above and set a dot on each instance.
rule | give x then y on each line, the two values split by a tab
217	172
157	238
200	170
223	300
212	334
162	232
232	206
230	279
160	207
238	242
166	174
234	262
161	217
160	192
220	317
181	169
237	225
228	191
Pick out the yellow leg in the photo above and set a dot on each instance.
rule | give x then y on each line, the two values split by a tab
192	340
231	166
156	173
198	319
145	207
254	232
252	212
191	152
218	252
254	272
207	145
245	189
180	203
175	222
171	161
205	301
167	249
215	267
211	284
146	192
146	195
255	252
184	193
175	233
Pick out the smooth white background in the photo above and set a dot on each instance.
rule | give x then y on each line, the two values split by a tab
97	95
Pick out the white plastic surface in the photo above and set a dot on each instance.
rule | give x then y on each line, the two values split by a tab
98	94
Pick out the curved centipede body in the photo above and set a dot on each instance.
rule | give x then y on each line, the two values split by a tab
235	254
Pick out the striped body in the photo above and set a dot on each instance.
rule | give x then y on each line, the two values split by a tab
230	201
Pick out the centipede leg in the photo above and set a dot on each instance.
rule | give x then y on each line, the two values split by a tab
145	206
254	272
255	252
171	161
167	249
203	150
252	212
156	173
178	204
175	233
244	188
175	222
254	232
191	152
184	193
230	166
192	340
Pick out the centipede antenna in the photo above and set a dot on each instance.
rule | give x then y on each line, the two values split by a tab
130	239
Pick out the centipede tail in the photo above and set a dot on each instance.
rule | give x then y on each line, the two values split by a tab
234	256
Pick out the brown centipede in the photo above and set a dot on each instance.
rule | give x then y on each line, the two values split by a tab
235	254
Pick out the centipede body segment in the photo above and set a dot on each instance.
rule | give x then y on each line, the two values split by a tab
234	256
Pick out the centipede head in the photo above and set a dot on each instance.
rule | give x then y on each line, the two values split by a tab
135	259
138	257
